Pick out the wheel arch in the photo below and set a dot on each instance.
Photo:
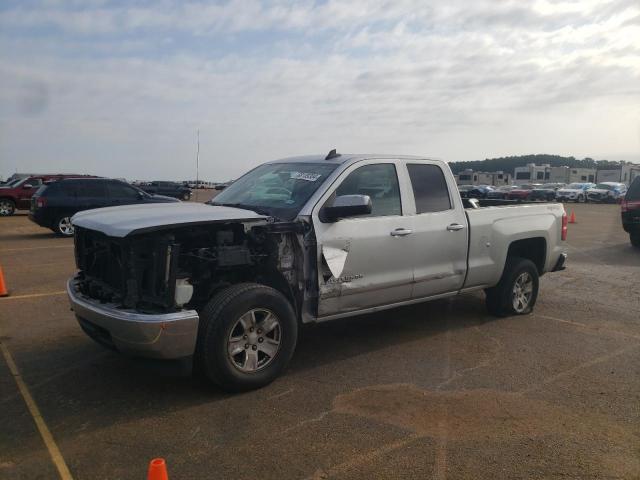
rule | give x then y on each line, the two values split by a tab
534	249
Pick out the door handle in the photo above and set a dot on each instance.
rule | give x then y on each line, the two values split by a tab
401	232
454	227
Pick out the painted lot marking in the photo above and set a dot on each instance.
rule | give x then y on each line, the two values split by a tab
32	295
45	433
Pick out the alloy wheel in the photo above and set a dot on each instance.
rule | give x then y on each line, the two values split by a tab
6	207
522	292
65	227
254	340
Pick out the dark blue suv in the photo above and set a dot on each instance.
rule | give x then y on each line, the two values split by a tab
53	205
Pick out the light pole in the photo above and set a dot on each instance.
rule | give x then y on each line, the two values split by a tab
198	161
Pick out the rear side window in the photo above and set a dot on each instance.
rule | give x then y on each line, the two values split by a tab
429	188
90	189
634	190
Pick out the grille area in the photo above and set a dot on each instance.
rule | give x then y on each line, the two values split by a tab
132	273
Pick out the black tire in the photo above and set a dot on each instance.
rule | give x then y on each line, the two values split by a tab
635	239
217	321
500	299
7	207
581	199
63	227
186	196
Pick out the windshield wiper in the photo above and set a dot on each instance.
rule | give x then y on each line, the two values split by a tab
259	210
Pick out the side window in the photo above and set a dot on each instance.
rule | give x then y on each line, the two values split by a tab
34	182
380	182
90	189
429	188
120	190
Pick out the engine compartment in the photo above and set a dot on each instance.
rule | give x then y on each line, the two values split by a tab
149	272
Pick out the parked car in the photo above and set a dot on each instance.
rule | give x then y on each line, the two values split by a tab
609	192
17	194
474	191
522	193
500	193
53	205
546	193
631	212
169	189
575	192
228	283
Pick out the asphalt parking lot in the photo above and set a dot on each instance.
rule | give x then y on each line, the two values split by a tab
439	390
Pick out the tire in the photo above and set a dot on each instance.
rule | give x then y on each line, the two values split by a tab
635	239
186	196
501	299
63	227
225	317
7	207
581	199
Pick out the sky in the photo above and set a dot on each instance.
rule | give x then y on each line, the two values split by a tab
121	88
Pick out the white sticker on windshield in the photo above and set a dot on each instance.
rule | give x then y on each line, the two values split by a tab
309	177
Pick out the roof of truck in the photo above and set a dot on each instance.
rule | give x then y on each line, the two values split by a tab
347	158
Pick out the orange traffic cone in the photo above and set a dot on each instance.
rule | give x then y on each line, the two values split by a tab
157	470
573	217
3	286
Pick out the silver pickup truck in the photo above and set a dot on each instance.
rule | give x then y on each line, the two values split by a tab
299	240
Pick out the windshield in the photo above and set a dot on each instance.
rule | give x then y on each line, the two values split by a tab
276	189
575	186
604	186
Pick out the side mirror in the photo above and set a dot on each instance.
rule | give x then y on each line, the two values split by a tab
27	186
346	206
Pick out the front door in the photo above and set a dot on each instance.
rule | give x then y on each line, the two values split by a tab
26	191
365	261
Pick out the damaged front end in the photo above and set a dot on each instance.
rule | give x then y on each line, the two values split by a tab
182	267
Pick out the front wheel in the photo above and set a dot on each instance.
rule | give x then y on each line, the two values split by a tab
635	239
247	335
517	290
7	207
581	199
64	227
185	196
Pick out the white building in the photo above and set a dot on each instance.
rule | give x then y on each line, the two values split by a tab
496	179
532	173
625	174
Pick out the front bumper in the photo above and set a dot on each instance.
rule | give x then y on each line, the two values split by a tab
166	336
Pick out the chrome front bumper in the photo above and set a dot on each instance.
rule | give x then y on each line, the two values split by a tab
169	335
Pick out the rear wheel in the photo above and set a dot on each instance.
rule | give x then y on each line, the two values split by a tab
635	239
246	337
64	227
581	199
517	291
7	207
185	196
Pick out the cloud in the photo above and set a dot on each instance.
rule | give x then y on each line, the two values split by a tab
120	89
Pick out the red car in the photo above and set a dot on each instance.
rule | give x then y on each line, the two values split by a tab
17	195
521	193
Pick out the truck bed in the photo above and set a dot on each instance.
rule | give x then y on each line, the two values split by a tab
493	228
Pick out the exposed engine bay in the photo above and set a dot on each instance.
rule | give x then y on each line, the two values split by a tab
182	267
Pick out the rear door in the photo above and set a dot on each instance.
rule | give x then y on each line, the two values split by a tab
365	261
440	237
90	194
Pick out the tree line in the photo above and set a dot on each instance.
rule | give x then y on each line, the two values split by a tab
507	164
